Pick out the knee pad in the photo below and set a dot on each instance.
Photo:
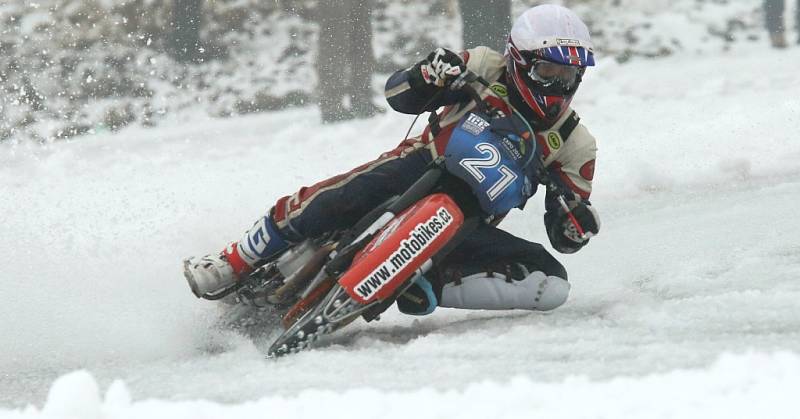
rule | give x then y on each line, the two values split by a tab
536	291
552	291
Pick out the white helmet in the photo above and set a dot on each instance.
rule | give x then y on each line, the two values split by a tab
548	50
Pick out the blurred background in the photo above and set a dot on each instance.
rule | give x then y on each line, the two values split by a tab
75	67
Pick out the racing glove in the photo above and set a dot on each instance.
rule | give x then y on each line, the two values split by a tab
563	234
440	68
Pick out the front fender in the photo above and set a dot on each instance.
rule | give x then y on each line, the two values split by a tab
402	247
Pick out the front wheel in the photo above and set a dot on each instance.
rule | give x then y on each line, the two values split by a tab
334	311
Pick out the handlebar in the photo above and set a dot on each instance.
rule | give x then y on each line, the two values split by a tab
462	83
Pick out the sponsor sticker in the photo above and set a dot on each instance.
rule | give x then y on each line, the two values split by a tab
474	124
508	144
499	90
417	241
566	42
554	140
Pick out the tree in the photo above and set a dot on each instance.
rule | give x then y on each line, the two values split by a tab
185	22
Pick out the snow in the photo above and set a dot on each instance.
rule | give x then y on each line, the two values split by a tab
684	306
741	386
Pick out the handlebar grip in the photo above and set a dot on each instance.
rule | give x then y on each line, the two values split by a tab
462	83
462	80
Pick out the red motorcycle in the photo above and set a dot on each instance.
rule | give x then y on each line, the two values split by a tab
490	166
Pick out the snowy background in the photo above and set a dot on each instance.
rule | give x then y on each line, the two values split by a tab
686	304
75	67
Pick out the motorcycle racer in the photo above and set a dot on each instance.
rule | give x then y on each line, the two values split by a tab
548	51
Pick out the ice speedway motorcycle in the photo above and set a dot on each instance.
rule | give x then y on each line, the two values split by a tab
490	165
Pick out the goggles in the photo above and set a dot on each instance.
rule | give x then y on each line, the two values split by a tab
557	78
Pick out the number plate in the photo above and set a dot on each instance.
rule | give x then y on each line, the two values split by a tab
492	158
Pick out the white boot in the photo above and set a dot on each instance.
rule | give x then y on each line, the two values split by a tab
208	274
536	291
212	273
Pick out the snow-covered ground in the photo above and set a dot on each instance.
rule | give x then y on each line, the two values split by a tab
686	304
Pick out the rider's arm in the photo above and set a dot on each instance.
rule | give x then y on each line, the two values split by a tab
572	162
407	92
573	169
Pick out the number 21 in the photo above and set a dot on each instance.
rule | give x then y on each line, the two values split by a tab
490	160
